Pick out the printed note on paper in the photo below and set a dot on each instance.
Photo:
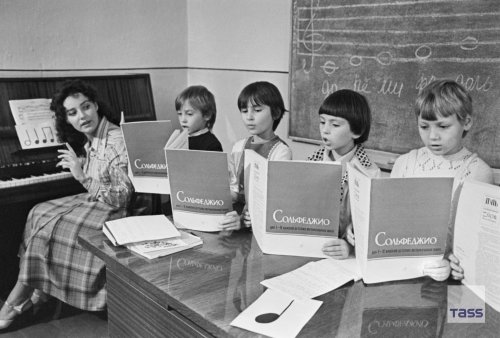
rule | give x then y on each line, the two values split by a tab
35	123
277	315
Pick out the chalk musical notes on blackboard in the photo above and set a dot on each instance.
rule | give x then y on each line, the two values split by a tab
388	51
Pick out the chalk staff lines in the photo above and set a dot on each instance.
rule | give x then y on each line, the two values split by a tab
388	4
311	41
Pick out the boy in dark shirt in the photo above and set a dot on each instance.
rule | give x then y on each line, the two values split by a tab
196	111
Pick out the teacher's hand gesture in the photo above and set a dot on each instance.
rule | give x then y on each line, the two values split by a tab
69	160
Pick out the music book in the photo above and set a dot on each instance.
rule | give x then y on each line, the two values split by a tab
477	237
199	184
145	143
35	123
399	223
294	205
168	246
136	229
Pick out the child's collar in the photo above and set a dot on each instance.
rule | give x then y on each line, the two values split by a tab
261	140
341	158
452	157
199	132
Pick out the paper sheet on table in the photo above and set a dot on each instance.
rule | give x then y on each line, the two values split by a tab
293	314
315	278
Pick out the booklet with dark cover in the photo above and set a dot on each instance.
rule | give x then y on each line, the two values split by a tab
294	205
199	188
400	224
146	142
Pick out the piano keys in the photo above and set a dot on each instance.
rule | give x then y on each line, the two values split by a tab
18	182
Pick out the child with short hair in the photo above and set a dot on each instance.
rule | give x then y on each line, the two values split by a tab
444	115
344	123
196	111
261	107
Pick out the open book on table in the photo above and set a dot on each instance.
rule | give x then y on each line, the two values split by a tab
168	246
294	205
199	185
399	223
136	229
146	142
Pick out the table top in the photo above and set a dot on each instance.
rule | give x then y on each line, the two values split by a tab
211	284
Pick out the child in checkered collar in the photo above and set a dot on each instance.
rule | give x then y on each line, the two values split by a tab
344	124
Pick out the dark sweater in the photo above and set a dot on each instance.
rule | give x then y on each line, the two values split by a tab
206	141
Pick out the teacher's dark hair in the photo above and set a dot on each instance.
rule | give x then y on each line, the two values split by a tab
65	131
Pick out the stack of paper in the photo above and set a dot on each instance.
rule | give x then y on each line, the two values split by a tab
164	247
139	229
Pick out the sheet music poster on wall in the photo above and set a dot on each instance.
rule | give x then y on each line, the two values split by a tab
388	51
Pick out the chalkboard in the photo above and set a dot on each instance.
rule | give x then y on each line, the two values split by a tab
388	51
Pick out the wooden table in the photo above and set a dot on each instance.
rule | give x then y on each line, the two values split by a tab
198	292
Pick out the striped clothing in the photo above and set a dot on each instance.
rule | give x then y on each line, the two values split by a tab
51	258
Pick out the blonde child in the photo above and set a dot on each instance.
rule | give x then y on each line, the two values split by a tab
344	124
196	111
261	107
444	116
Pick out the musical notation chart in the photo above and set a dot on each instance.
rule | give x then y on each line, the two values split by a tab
388	51
35	123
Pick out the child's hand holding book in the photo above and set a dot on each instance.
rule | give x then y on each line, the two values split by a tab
231	221
457	272
439	270
337	248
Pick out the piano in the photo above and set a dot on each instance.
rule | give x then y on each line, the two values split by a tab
28	177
